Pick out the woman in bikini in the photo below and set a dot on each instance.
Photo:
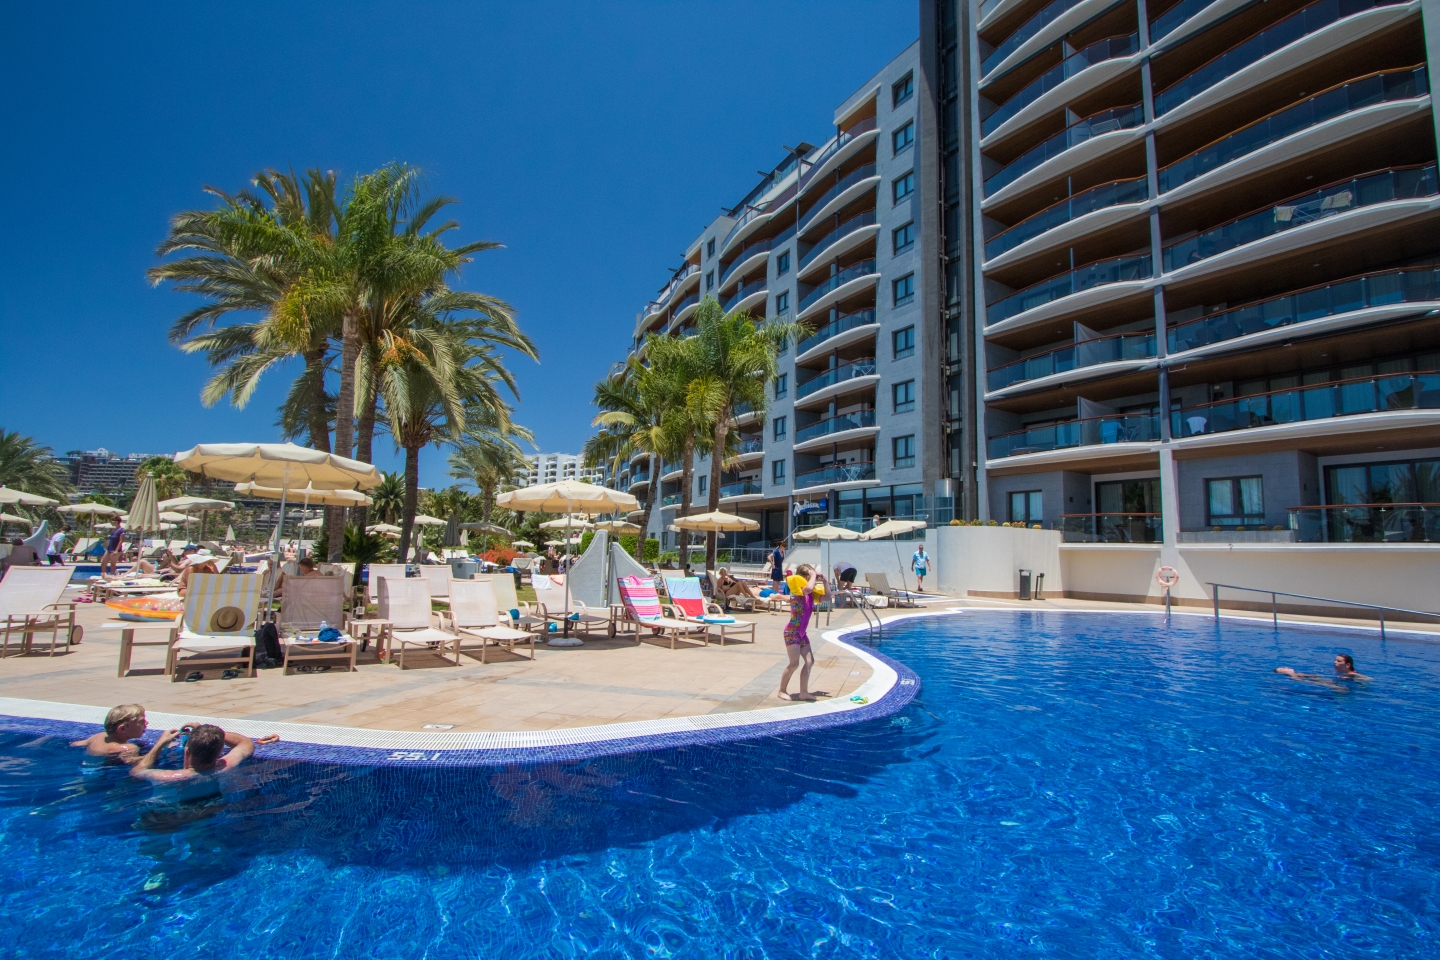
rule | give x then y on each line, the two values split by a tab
803	586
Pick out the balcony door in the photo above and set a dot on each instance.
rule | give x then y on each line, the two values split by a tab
1127	511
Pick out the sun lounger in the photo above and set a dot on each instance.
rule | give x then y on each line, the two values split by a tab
308	603
550	595
881	585
378	572
405	604
690	604
475	613
218	625
642	605
30	603
437	578
507	600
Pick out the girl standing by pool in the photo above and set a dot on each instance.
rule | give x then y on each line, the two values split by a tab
805	585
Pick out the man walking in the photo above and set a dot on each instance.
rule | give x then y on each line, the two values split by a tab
55	551
920	563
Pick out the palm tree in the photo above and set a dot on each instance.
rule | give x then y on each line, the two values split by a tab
30	466
690	410
388	499
739	361
491	462
170	479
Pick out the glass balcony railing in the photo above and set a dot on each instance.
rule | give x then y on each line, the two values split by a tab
1034	25
1110	527
1087	353
1091	275
864	126
836	327
836	424
670	499
689	301
1087	201
844	473
845	183
1300	24
1367	523
658	304
862	269
743	488
1403	183
1176	15
1355	95
752	446
866	219
1106	121
741	409
1092	431
1111	48
639	478
1418	285
742	293
849	371
746	252
1323	401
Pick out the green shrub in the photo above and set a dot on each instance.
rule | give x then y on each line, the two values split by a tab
652	549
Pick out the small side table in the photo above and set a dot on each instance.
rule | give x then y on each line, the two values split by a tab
128	642
363	630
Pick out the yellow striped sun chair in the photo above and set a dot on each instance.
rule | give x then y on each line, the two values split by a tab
218	625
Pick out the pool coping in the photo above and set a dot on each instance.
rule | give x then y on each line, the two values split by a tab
889	688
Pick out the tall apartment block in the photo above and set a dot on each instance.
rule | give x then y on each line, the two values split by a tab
1205	265
554	467
831	237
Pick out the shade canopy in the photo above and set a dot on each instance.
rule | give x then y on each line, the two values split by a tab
311	495
620	528
278	464
560	543
716	522
386	528
479	527
567	523
91	510
422	520
566	496
197	504
145	510
893	528
229	534
314	524
8	496
174	517
521	543
828	532
11	518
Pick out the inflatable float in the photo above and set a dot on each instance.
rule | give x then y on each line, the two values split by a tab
148	609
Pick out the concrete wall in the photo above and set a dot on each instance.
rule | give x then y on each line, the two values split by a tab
1063	492
871	556
986	561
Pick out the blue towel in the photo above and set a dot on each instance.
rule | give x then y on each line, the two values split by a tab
329	635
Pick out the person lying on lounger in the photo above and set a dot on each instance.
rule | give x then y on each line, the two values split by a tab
727	586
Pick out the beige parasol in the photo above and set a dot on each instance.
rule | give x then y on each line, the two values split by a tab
827	532
619	528
891	529
567	523
9	496
278	465
716	522
389	529
144	510
424	520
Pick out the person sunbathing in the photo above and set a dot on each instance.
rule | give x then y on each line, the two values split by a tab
728	587
123	725
197	564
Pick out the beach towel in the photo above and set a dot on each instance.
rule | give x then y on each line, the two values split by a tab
686	594
639	595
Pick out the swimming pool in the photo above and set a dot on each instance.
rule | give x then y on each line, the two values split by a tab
1064	784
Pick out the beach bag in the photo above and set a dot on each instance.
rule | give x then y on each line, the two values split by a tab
267	638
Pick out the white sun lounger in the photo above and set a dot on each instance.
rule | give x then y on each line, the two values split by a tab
474	613
30	603
218	625
405	604
309	602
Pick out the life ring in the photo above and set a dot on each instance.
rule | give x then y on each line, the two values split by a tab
1167	577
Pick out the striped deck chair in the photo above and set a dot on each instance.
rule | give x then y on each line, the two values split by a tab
475	613
690	603
309	602
218	625
406	605
643	606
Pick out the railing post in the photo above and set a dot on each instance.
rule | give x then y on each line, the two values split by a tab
1274	612
1215	587
1382	623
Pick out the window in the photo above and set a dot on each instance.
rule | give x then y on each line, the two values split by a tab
904	394
1234	502
903	90
902	139
710	248
782	302
703	478
904	341
904	289
904	448
904	237
1026	507
710	279
782	385
782	264
779	428
777	471
903	187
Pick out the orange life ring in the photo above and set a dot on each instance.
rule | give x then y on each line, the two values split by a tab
1167	577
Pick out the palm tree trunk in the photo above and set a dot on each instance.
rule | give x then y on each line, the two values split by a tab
412	488
365	441
687	477
319	425
722	430
345	414
650	497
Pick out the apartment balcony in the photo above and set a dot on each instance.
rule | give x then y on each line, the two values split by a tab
742	414
670	500
750	255
1372	297
846	145
843	475
1122	199
1107	355
1362	100
755	217
741	490
1100	132
1285	36
1334	200
844	238
1110	527
850	188
1112	51
683	310
1092	431
749	450
637	481
746	297
1120	271
834	289
842	331
673	474
831	382
1367	523
837	429
1031	30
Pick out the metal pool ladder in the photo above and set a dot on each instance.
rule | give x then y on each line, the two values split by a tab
872	619
1275	613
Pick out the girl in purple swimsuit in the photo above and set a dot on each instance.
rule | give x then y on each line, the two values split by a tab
797	639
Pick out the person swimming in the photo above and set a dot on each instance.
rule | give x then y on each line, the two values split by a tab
205	759
1344	670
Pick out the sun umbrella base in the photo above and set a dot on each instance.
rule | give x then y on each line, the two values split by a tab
565	642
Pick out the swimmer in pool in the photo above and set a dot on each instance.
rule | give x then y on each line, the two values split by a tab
203	748
123	725
1344	670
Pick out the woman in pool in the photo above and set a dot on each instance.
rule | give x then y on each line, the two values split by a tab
1344	670
804	585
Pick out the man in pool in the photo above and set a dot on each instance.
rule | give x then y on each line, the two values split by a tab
1344	670
123	725
204	746
803	590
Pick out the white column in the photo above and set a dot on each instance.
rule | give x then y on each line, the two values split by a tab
1169	503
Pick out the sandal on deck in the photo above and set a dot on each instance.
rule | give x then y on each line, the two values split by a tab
193	677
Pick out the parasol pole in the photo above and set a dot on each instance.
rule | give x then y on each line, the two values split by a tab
279	526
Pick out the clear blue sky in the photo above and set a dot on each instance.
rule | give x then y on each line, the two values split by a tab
593	139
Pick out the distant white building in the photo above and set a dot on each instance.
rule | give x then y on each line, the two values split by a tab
554	467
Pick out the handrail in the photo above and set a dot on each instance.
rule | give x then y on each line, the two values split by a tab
1022	35
1275	613
1101	51
1100	197
1347	506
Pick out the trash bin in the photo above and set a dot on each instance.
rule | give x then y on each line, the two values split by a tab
1024	584
1040	586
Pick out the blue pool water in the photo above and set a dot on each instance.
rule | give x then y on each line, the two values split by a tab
1063	786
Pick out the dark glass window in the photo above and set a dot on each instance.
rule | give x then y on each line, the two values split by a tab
782	385
904	289
710	280
902	90
1026	507
904	394
779	426
710	248
1234	501
904	448
902	139
902	187
904	237
777	471
782	302
782	264
904	342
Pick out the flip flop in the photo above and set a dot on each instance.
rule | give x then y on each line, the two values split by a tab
305	668
191	678
229	674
